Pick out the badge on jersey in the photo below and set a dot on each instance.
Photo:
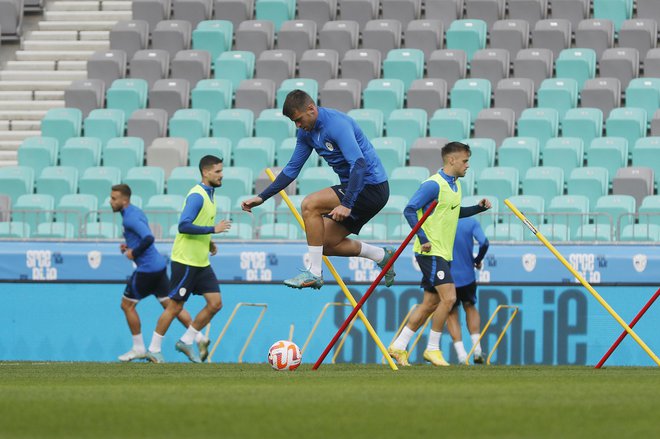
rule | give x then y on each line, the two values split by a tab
329	146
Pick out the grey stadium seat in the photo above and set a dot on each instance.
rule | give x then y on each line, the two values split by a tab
634	181
256	95
640	34
192	11
596	34
516	94
425	152
255	36
403	10
168	153
107	65
11	18
341	94
5	208
552	34
535	64
512	35
383	35
361	11
491	64
150	65
652	64
571	10
530	11
86	95
444	10
151	11
361	64
429	94
620	63
319	11
487	10
655	124
191	65
236	11
320	65
170	95
276	65
148	124
129	36
425	35
450	65
171	36
649	9
495	123
601	93
341	35
297	35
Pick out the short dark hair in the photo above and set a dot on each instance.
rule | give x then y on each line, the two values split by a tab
296	100
123	189
208	161
452	147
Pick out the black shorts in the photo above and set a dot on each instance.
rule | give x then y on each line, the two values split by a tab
187	280
435	271
142	284
369	202
466	294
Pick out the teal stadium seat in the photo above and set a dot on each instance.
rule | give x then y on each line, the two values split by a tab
217	146
77	210
558	93
504	232
406	180
616	11
146	181
406	65
647	153
58	181
190	125
273	124
540	123
164	210
578	64
450	123
500	182
81	153
277	11
593	232
62	124
521	153
566	153
104	124
627	122
127	95
485	218
585	123
467	35
16	181
614	210
385	95
234	124
222	207
263	214
98	181
279	231
400	232
101	230
391	215
236	181
468	183
124	153
640	233
590	181
314	179
391	151
283	214
38	152
644	93
483	153
610	153
374	232
182	179
285	151
649	211
533	206
14	229
370	121
212	95
408	124
256	153
471	94
555	232
309	86
238	231
569	210
546	182
33	209
235	66
55	231
214	36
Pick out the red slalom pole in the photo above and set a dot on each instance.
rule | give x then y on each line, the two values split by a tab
624	333
374	284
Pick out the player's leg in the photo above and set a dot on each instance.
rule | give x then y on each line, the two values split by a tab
399	348
473	320
454	328
444	286
138	350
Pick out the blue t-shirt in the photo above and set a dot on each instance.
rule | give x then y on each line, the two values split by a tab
136	228
462	267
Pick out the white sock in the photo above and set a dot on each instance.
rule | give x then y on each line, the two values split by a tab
156	342
189	336
434	341
475	341
372	252
460	351
138	343
316	259
200	337
403	339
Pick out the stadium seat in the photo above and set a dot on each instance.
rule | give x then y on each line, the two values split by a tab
500	182
487	10
639	33
55	231
620	63
450	65
615	211
255	95
104	124
647	153
62	124
521	153
391	152
127	95
425	35
483	153
426	152
236	181
170	95
107	65
276	65
504	232
242	232
385	95
467	35
319	11
610	153
285	151
33	209
14	229
535	64
404	64
553	34
406	180
190	125
595	34
76	209
556	232
533	206
11	18
589	181
273	124
514	93
235	66
147	125
98	180
511	35
635	181
584	123
374	232
371	121
276	11
102	230
640	232
540	123
182	179
577	64
85	95
566	153
485	218
263	181
594	232
616	10
309	86
644	93
445	11
129	36
124	153
235	11
490	64
212	95
450	123
528	10
382	35
391	215
81	153
171	36
279	231
191	65
255	36
319	65
283	214
649	211
167	153
339	35
164	210
558	93
569	210
38	152
601	93
342	94
315	179
409	124
655	124
192	11
214	36
255	153
146	181
472	95
468	183
546	182
629	123
428	94
361	64
234	124
495	123
297	35
5	208
150	65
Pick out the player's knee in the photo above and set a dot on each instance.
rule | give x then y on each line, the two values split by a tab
215	305
126	305
449	302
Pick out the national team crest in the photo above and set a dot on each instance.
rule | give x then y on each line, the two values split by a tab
639	262
329	146
529	262
94	259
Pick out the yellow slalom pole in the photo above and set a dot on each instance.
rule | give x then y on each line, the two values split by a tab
339	280
579	277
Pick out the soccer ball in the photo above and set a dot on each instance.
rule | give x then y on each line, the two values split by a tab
284	355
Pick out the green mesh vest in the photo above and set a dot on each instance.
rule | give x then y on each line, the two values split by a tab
440	226
194	249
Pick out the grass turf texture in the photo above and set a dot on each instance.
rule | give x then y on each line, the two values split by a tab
92	400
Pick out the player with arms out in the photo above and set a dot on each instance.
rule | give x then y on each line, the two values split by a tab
333	213
191	268
434	248
150	276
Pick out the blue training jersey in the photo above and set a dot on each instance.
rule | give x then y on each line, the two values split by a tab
462	267
136	228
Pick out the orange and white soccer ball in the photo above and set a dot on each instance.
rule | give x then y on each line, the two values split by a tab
284	355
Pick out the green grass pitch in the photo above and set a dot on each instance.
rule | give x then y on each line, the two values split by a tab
96	400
